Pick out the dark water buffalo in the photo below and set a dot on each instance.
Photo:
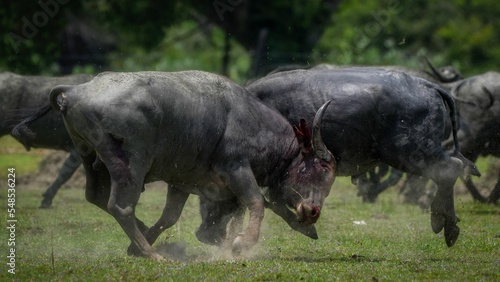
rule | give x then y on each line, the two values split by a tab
377	180
202	134
478	104
378	116
477	100
21	96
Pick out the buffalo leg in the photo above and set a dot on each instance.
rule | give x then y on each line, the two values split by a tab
244	185
445	173
413	188
127	180
236	225
170	215
98	183
69	167
370	184
215	215
98	186
495	193
473	190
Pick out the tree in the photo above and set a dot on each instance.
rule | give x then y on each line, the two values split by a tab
400	32
40	34
275	33
30	42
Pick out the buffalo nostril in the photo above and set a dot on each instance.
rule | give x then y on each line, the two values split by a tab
315	211
307	214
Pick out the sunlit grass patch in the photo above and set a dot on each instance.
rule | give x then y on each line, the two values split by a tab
14	155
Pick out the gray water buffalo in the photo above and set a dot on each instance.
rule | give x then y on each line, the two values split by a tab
202	134
478	104
477	99
378	116
21	96
377	180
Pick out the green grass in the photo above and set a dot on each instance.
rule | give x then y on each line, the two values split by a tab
13	155
76	241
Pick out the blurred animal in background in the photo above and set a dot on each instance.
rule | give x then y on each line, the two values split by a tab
478	106
22	96
381	178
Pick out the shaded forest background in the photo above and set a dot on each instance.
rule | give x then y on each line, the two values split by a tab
245	39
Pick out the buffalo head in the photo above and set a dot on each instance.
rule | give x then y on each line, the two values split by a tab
309	179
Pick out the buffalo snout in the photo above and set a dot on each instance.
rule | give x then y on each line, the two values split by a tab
308	213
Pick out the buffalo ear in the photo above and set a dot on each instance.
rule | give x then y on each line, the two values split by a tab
304	136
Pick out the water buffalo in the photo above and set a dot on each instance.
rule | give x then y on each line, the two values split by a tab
21	96
478	104
370	185
378	116
477	100
378	179
202	134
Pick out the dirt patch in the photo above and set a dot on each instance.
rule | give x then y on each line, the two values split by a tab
48	171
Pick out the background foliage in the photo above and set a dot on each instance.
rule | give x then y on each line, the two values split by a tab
243	39
462	33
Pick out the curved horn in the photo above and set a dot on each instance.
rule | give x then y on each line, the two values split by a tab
435	72
453	76
319	146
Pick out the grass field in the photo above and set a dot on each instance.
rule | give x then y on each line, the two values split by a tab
75	241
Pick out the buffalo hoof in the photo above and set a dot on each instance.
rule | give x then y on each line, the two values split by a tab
46	202
451	230
437	221
134	251
451	233
238	247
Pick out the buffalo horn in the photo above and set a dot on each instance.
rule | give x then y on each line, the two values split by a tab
319	146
